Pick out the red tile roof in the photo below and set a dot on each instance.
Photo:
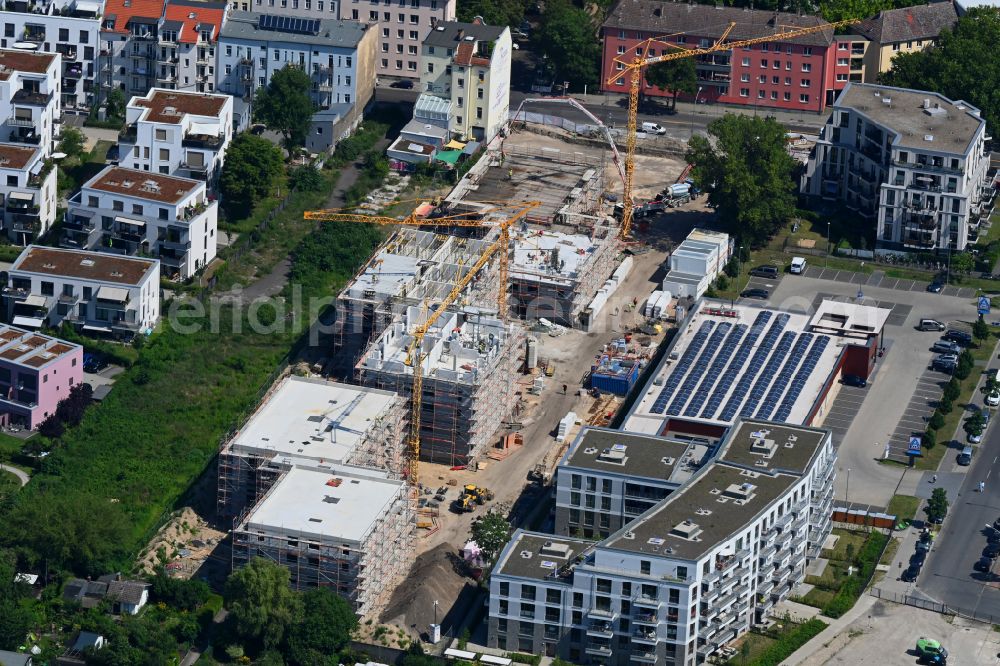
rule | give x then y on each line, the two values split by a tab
126	10
196	16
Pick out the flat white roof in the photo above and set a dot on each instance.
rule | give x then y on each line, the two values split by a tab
314	419
533	255
759	363
341	503
844	318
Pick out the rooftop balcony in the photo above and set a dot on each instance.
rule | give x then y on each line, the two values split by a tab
32	98
210	141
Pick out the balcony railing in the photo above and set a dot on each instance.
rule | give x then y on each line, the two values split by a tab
598	650
203	141
643	656
600	629
640	636
645	601
605	614
32	97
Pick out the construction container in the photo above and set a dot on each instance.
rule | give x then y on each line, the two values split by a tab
615	375
531	354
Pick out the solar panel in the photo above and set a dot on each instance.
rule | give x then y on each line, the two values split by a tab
808	365
294	24
726	380
773	363
781	382
712	374
766	345
699	369
683	365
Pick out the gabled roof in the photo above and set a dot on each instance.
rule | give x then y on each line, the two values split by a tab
195	17
120	12
451	33
669	18
909	23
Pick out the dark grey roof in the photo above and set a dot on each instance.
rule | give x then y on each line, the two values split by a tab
126	591
110	586
793	450
710	21
343	34
645	456
909	23
523	556
172	25
334	113
14	659
451	33
84	640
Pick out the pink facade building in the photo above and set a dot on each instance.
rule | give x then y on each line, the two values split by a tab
803	74
36	372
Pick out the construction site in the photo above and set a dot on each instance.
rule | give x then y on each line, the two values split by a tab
468	358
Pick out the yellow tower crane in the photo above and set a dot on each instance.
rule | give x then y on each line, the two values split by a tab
631	66
512	213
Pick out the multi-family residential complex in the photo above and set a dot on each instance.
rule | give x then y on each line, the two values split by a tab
68	27
896	31
129	45
465	79
338	55
29	97
29	190
36	372
687	575
95	291
129	212
801	74
311	482
188	37
175	133
914	161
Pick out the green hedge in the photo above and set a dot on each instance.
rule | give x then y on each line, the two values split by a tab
521	658
786	644
865	562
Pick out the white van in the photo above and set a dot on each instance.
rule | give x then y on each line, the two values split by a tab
653	128
798	265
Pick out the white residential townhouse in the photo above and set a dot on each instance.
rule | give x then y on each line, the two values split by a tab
28	185
130	212
177	133
29	98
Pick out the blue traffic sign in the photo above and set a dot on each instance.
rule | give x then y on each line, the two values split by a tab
984	305
914	448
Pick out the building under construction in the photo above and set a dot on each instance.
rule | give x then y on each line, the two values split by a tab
309	421
346	528
555	275
411	267
469	360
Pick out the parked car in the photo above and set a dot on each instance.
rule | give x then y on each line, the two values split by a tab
992	551
965	457
918	557
960	337
755	293
946	347
923	546
405	84
93	363
930	651
947	358
931	325
992	400
974	438
765	272
798	265
983	564
854	380
948	367
911	573
935	287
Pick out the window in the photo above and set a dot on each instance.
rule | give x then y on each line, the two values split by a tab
399	33
385	47
788	66
744	92
763	63
644	567
504	589
895	47
161	135
591	484
775	80
788	80
528	592
137	209
553	597
414	34
745	78
606	486
118	206
63	34
682	573
551	614
806	67
841	77
12	181
843	62
804	83
760	94
762	78
842	46
48	288
774	94
746	62
574	516
777	64
528	611
803	99
589	501
164	154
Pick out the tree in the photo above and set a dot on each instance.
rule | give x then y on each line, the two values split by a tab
747	173
15	620
181	594
964	64
975	424
945	405
284	105
262	606
306	179
962	262
965	365
493	12
52	427
937	505
72	142
115	105
72	408
952	390
980	329
491	533
991	385
674	76
936	421
567	40
325	629
930	438
252	166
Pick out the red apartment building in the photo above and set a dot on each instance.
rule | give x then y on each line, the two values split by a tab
803	74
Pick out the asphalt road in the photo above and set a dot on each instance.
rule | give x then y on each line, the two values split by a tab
948	576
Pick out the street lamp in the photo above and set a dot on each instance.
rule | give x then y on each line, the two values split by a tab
829	242
847	492
700	88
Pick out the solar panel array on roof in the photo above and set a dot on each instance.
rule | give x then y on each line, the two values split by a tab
300	26
767	376
713	372
808	365
683	365
756	363
699	369
726	381
781	381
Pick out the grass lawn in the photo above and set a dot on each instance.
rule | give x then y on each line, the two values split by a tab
9	483
9	445
836	570
758	645
904	507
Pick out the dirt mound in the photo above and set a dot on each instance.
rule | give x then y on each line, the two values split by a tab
182	544
437	575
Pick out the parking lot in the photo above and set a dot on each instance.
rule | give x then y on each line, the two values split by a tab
842	412
923	402
881	280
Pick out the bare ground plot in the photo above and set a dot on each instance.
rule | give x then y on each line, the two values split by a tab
886	635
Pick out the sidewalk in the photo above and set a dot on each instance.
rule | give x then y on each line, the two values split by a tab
836	627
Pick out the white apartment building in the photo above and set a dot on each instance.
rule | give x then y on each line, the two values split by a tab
124	211
609	477
29	98
686	576
30	192
338	55
176	133
914	161
468	66
188	38
68	27
95	291
129	45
